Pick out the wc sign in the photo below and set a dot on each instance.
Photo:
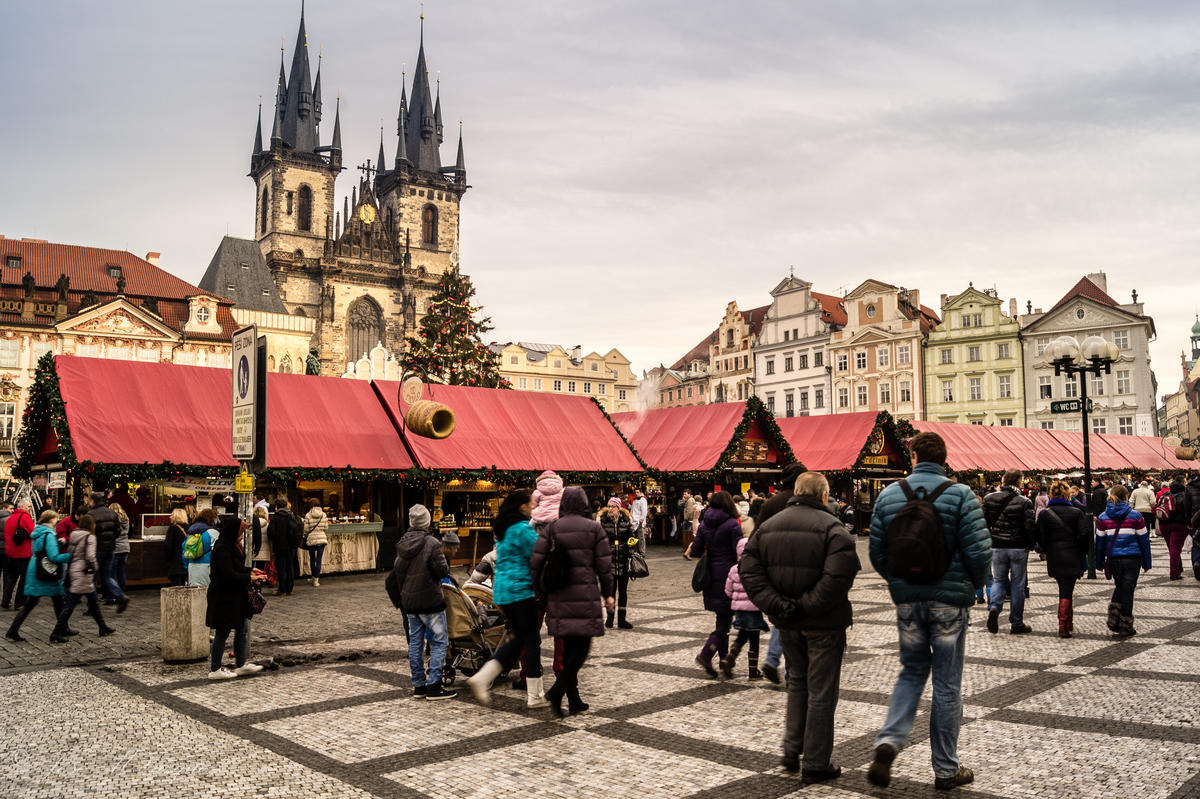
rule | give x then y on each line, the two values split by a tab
245	392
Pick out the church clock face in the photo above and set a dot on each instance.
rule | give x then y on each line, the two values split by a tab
366	213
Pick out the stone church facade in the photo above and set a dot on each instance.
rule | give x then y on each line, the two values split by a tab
363	273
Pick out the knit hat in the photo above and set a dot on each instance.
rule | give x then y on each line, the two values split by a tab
450	539
743	509
614	502
418	517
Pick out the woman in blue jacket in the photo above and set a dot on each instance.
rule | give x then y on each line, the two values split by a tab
512	590
45	545
1122	548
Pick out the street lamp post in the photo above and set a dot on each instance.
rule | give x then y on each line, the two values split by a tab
1095	355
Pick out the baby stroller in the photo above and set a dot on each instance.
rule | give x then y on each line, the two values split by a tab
475	632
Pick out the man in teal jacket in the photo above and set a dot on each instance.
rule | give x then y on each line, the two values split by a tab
932	618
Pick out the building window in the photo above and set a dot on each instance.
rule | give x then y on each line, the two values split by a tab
803	360
148	356
304	209
906	392
786	335
843	362
602	389
973	352
291	196
364	321
1047	425
40	348
1005	386
1097	387
1123	381
885	393
1072	426
843	400
975	387
570	386
8	419
1125	425
860	360
818	398
10	352
93	351
947	391
429	226
1007	421
883	358
795	333
976	422
662	398
1099	425
787	364
1003	351
522	382
1042	343
862	396
1121	339
587	389
114	272
13	262
789	405
770	363
947	355
871	311
285	365
818	358
689	391
804	400
621	393
557	385
729	338
513	360
262	212
595	366
1070	388
903	354
770	402
537	384
1045	388
966	320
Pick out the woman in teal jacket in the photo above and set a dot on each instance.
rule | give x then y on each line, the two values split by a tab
512	590
45	545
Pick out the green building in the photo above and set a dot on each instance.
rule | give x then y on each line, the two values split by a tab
972	360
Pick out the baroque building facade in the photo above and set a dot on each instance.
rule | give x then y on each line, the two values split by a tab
792	374
555	369
363	273
973	360
1124	402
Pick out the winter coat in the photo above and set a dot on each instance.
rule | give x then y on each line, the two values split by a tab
799	566
1177	520
1142	500
1010	517
108	527
546	498
44	543
1040	503
512	582
1122	523
64	528
208	536
18	519
419	569
486	569
121	547
228	601
738	598
966	532
719	534
575	609
1063	535
1191	499
315	525
281	532
173	544
82	548
1097	500
618	531
776	503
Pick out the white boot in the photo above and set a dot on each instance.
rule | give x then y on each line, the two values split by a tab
534	695
480	682
316	583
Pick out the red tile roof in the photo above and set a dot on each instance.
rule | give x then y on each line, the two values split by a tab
698	352
754	317
1086	288
833	309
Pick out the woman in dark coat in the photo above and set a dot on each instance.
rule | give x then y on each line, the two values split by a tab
720	530
1063	537
573	612
176	535
229	601
618	528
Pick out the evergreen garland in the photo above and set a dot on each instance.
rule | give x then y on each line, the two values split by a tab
755	409
628	443
901	429
45	406
448	347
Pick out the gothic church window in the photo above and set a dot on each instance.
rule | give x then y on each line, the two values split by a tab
290	197
266	197
304	208
364	323
285	365
429	223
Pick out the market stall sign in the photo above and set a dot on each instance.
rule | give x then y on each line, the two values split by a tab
57	480
752	452
875	460
244	484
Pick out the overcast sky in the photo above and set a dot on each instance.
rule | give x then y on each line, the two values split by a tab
636	165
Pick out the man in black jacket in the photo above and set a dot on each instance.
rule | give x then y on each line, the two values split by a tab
107	529
798	568
1098	499
420	568
1191	507
284	532
1010	517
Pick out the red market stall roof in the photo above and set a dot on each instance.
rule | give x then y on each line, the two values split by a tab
1103	456
515	431
1139	452
972	448
1036	450
127	412
1159	447
828	443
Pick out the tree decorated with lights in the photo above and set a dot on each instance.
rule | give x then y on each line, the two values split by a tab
448	346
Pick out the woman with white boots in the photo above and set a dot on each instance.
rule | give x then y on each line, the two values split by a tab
512	590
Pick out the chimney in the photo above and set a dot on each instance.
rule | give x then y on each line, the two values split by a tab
914	298
1100	279
576	352
944	298
152	257
1012	307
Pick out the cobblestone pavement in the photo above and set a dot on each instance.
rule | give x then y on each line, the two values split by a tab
1044	717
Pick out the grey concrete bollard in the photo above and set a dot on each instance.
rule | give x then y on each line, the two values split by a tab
184	636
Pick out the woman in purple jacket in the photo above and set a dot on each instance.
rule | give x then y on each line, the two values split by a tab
719	533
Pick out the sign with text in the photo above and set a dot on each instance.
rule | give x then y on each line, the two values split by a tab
245	393
1069	406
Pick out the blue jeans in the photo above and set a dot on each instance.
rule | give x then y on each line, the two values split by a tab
241	645
315	556
933	636
108	583
1125	576
431	626
774	650
1008	577
118	568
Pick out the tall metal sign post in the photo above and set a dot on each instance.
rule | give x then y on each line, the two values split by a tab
249	445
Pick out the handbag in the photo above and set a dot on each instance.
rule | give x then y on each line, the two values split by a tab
701	577
45	569
638	567
256	600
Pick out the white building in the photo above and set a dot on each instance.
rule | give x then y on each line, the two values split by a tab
791	365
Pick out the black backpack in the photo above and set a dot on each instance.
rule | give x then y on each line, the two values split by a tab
916	542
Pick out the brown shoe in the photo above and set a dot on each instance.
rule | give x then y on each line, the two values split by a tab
964	777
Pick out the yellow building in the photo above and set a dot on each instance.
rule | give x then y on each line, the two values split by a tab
973	371
554	369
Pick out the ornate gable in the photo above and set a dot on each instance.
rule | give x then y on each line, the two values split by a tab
1082	312
117	318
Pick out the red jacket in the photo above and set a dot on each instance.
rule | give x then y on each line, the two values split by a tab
18	519
63	531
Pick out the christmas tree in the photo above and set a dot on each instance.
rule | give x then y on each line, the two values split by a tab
448	347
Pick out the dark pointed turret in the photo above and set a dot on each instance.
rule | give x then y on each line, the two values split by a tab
317	93
437	112
336	145
420	123
299	127
257	151
402	127
460	165
380	168
280	103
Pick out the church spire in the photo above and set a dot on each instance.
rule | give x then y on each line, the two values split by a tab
379	165
280	102
258	134
460	165
437	111
317	92
300	113
336	146
421	140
